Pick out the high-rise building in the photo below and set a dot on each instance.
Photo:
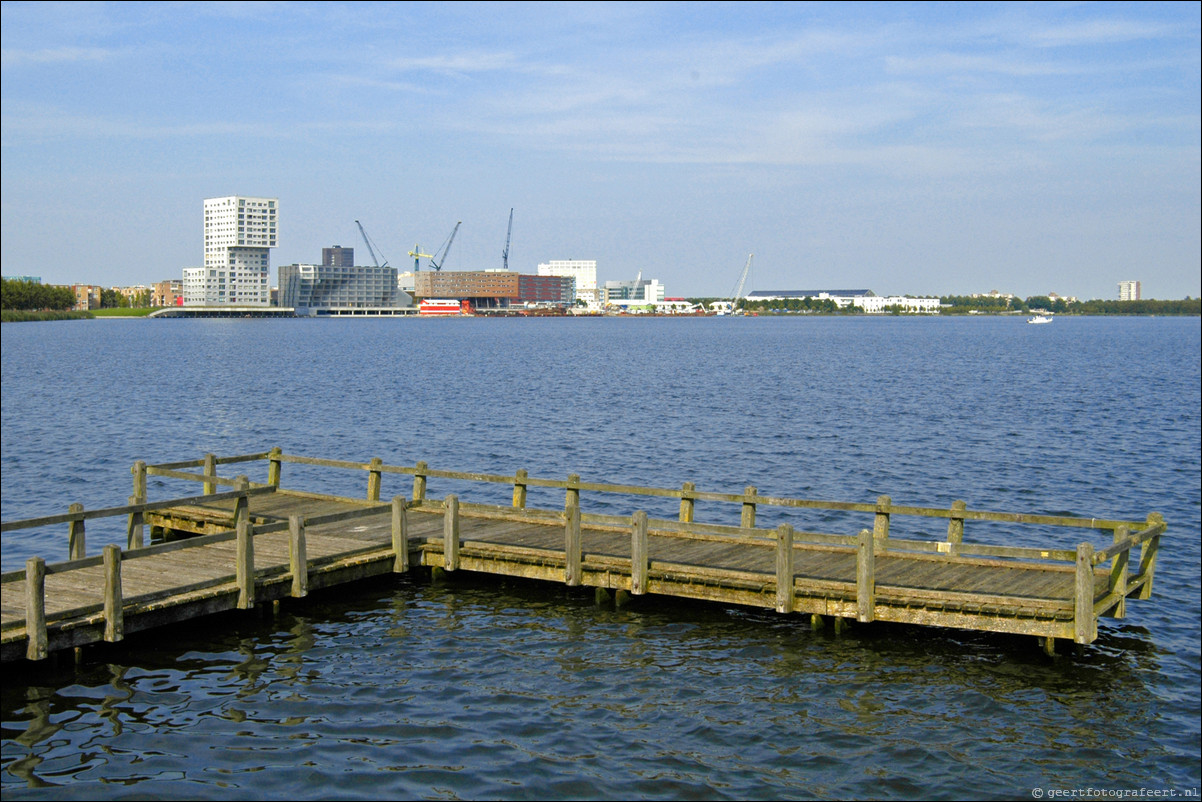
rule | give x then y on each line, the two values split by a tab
338	256
239	233
584	271
1129	291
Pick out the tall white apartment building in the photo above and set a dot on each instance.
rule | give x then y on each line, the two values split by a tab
1129	291
584	271
239	233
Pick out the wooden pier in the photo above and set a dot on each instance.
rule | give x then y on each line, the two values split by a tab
257	543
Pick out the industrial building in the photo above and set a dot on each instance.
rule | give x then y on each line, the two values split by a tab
495	289
239	232
639	292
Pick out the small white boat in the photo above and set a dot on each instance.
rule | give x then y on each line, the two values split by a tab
1040	319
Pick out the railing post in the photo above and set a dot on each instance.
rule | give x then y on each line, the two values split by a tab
519	488
400	536
135	529
573	549
298	556
450	533
1119	572
866	577
35	608
210	469
139	472
419	481
747	519
373	479
275	465
880	524
572	492
1085	624
686	502
784	569
244	569
955	526
1147	557
638	553
77	547
114	614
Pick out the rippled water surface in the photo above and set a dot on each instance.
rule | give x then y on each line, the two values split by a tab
482	688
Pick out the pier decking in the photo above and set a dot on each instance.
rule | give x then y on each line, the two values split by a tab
261	542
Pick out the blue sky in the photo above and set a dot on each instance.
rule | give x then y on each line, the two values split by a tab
903	148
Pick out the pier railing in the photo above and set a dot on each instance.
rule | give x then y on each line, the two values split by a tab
1127	578
1126	536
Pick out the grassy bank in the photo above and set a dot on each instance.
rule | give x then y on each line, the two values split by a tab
28	315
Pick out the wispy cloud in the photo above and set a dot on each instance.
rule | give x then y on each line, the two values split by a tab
11	58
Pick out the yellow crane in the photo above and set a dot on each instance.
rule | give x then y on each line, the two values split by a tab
417	255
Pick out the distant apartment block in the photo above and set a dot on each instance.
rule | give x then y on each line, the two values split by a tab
167	293
583	270
332	287
239	232
338	256
1129	291
87	296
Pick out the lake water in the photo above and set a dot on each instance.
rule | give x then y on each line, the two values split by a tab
480	688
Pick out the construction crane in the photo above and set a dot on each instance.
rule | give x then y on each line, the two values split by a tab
505	253
734	301
437	262
417	255
371	250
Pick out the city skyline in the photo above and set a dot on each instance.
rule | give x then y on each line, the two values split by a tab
910	149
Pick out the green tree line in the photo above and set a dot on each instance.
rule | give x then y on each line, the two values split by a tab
29	295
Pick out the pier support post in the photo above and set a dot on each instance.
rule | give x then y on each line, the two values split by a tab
1085	624
244	567
373	479
450	533
400	536
1147	557
35	608
784	569
419	481
298	557
955	527
866	577
275	465
1119	572
519	489
687	502
77	547
135	528
114	614
210	469
816	622
638	553
573	556
601	596
572	493
747	519
880	524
